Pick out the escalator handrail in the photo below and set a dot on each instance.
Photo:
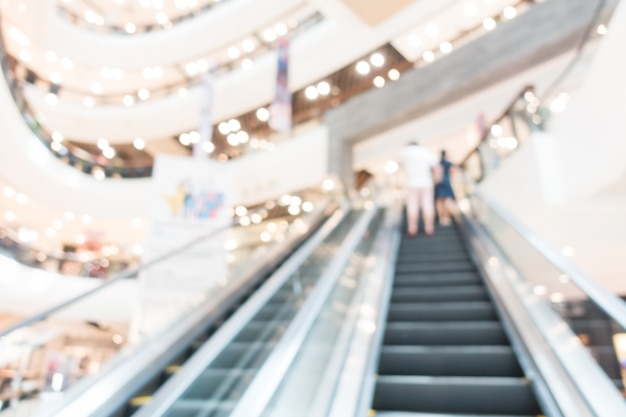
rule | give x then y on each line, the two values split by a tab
126	274
271	374
612	305
167	395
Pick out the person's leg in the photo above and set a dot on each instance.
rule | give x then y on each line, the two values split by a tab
412	210
427	204
452	209
442	212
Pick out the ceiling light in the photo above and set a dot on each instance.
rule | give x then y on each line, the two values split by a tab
69	216
208	147
307	207
509	12
106	73
19	36
233	52
108	153
377	59
280	29
136	222
247	64
429	56
602	30
362	68
50	232
91	16
143	94
489	23
496	130
234	125
184	139
10	216
56	146
128	100
269	35
51	57
182	92
445	47
161	18
57	136
130	27
262	114
432	31
323	88
391	167
52	99
86	219
311	92
415	41
242	136
139	143
194	136
223	128
98	173
470	8
88	101
117	74
241	211
96	88
9	191
248	45
232	139
26	56
379	81
21	198
102	144
191	68
67	64
393	74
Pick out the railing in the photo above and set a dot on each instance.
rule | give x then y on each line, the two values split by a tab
94	332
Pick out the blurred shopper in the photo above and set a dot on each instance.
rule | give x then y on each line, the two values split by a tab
418	163
444	195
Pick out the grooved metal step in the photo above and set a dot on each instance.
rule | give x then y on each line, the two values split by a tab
493	395
428	311
445	333
431	294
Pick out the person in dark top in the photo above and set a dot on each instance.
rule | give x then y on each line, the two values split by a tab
445	201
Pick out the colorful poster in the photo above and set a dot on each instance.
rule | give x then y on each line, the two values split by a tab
190	202
280	111
205	123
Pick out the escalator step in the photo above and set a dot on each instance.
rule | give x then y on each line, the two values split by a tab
212	381
445	333
433	294
468	395
458	311
450	278
492	361
442	266
193	408
409	257
418	414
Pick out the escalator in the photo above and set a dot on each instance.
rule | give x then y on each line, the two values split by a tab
444	348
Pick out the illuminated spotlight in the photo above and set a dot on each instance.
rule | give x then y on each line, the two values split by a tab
432	31
509	12
445	47
489	23
128	100
108	153
248	45
52	99
379	81
496	130
363	68
242	136
602	30
130	27
269	35
428	56
102	144
182	92
139	143
393	74
323	88
233	52
414	40
98	173
67	64
194	137
55	77
96	88
88	101
266	237
143	94
470	8
244	221
377	59
247	64
208	147
280	29
234	125
256	218
232	139
57	136
184	139
311	92
262	114
26	56
307	207
328	184
391	167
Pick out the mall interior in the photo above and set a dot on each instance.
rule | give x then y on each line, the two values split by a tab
202	208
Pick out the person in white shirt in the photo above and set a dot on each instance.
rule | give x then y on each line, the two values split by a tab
418	163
